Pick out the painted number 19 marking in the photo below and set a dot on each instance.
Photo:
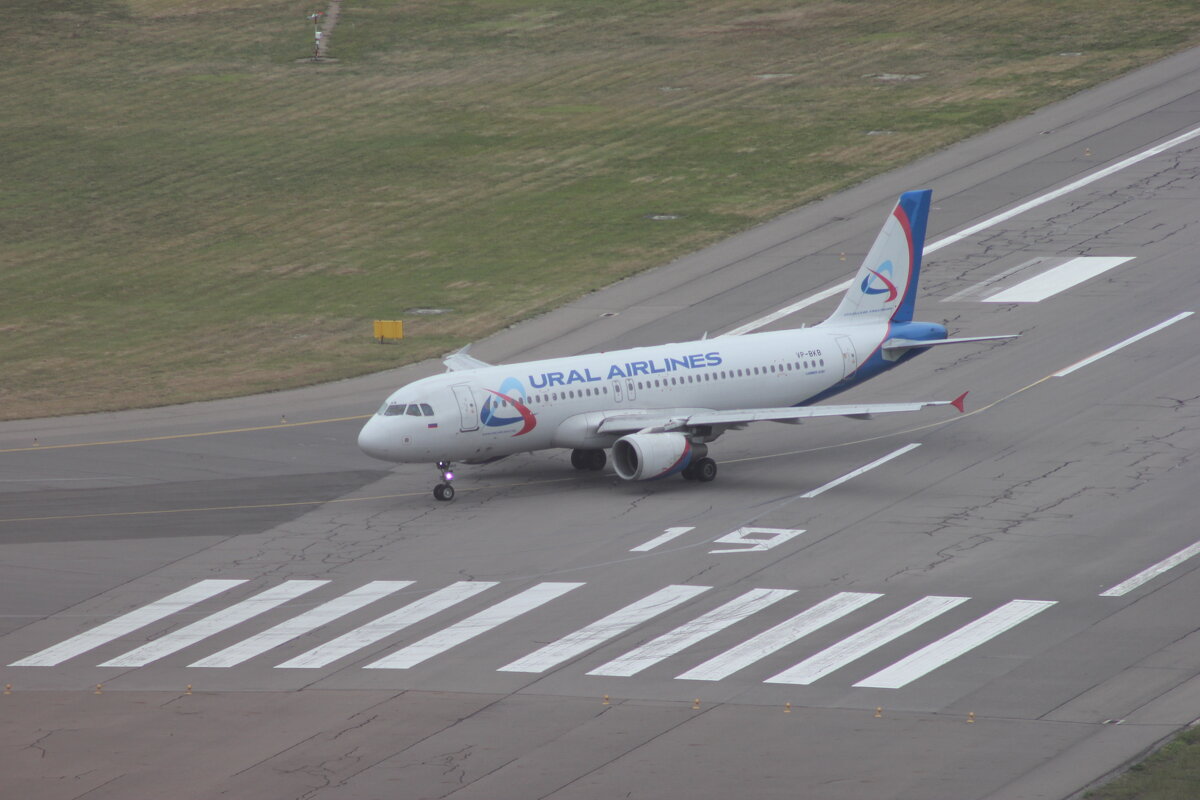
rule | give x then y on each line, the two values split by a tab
757	538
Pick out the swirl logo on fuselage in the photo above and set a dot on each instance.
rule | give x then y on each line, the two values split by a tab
883	273
509	392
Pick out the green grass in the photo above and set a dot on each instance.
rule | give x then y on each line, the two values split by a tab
1172	773
191	210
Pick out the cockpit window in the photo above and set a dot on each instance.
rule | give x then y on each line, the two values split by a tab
392	409
427	409
414	410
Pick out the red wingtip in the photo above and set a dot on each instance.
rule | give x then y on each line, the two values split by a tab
959	401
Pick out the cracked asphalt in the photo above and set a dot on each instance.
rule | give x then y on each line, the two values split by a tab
1049	489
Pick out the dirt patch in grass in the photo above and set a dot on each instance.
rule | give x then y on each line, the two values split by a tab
190	212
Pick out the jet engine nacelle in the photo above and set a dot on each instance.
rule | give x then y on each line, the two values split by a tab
643	456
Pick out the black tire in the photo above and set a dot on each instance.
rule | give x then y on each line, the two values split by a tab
596	460
579	459
689	472
443	491
706	470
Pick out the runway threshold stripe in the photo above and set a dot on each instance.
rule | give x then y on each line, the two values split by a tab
1109	351
386	625
473	626
127	623
604	629
298	626
958	643
1058	279
867	640
213	624
1150	573
867	468
692	632
778	637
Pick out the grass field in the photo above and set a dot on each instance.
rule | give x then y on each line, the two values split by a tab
1173	773
191	210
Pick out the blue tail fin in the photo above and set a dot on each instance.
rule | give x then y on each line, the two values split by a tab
885	287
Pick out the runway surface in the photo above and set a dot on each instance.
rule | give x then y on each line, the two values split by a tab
996	605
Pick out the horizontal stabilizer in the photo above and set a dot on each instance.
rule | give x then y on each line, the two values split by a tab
905	344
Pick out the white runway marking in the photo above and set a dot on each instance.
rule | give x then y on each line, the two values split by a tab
1149	331
953	645
689	633
214	623
758	539
297	626
851	475
126	623
386	625
866	640
1003	216
1056	280
778	637
1150	573
472	626
602	630
667	536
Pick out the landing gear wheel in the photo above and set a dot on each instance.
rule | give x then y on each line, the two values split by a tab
578	459
689	472
706	470
443	491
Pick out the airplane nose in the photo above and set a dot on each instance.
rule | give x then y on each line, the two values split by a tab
372	439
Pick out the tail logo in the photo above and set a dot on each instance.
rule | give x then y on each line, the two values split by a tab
885	270
489	414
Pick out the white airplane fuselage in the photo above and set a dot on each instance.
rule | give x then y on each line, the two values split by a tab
565	397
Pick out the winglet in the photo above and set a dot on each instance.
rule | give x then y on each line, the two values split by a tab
959	401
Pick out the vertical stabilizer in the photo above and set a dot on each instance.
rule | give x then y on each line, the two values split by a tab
885	288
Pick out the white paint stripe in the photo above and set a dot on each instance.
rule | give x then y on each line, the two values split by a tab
983	225
1058	279
297	626
779	636
602	630
689	633
386	625
983	285
670	534
472	626
950	647
1150	573
126	623
851	475
213	624
866	640
1091	359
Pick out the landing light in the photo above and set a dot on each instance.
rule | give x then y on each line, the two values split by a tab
447	476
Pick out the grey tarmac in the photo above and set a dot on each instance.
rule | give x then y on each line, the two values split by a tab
1049	491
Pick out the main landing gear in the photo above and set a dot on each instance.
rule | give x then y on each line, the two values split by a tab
588	459
444	491
702	470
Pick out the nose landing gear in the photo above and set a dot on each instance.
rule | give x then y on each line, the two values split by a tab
444	491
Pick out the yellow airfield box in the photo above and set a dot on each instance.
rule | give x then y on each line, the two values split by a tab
389	329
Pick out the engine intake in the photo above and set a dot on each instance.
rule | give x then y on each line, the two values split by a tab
645	456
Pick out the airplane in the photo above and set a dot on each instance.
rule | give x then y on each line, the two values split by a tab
658	408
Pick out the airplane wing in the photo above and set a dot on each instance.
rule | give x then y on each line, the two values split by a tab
682	419
459	360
